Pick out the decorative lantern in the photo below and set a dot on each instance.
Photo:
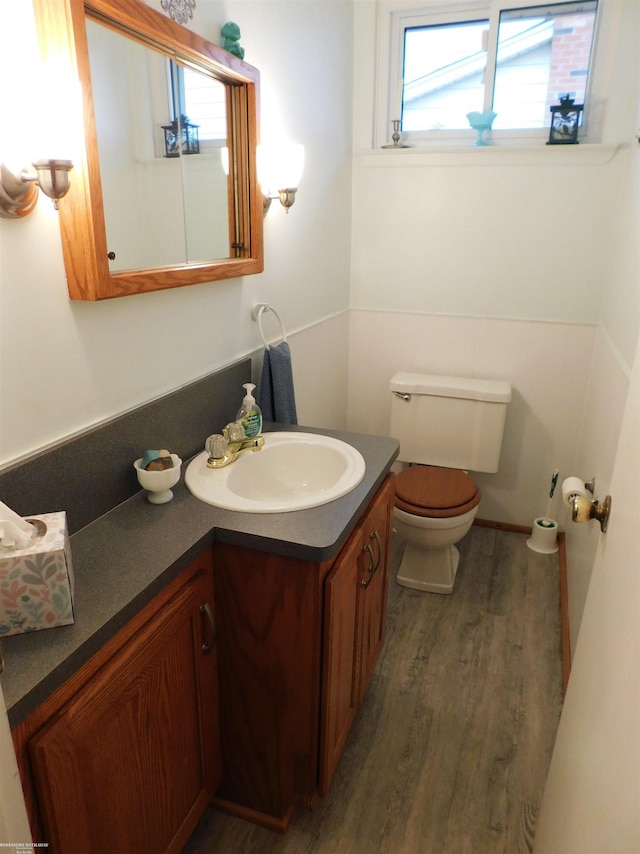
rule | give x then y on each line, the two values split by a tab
181	137
565	120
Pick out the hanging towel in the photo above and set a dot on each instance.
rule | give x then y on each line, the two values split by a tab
277	398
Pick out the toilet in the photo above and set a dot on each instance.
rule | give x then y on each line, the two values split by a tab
445	426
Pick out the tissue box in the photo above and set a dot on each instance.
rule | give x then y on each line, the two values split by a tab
36	583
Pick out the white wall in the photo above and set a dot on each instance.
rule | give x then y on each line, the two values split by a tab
66	365
506	238
319	355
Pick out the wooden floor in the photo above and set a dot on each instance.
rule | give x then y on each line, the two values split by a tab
450	750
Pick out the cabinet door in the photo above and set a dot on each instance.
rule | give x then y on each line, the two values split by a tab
355	612
341	656
131	762
373	584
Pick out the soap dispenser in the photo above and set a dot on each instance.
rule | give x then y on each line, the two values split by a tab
249	414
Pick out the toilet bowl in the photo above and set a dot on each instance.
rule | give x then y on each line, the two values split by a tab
434	509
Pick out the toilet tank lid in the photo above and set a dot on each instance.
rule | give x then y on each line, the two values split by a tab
468	388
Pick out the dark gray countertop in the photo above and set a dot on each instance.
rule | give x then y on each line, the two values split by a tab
124	558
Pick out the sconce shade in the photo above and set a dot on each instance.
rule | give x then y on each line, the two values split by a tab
53	177
565	121
280	168
181	137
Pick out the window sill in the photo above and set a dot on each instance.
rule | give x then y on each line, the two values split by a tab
583	154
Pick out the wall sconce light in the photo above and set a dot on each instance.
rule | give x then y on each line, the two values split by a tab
280	168
18	194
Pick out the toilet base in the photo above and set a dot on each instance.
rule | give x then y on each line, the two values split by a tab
432	571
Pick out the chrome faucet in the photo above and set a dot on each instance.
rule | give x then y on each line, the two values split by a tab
224	448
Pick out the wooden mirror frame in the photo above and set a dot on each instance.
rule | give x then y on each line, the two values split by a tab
63	39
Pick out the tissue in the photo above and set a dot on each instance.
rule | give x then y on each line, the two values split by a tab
573	487
15	532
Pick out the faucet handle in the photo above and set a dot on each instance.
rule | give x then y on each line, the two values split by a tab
216	446
234	431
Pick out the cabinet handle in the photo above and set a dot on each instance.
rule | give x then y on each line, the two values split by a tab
205	609
374	563
365	582
376	536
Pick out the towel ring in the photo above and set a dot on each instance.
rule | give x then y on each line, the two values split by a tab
258	310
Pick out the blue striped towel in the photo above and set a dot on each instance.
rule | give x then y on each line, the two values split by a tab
277	397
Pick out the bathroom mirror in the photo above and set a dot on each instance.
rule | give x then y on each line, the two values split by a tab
136	220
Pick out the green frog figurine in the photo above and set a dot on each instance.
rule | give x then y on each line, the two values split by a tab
231	39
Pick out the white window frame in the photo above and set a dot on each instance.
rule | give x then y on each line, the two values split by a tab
395	15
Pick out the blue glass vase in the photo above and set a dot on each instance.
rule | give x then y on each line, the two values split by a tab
481	122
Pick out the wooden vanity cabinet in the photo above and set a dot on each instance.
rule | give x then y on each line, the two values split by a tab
130	759
298	642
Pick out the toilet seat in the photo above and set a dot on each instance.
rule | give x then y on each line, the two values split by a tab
435	492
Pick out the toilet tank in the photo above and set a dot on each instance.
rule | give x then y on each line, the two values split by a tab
454	422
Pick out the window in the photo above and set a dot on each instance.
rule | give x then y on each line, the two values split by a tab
202	99
443	73
500	55
543	53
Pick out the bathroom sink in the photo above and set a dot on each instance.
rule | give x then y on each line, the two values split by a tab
292	471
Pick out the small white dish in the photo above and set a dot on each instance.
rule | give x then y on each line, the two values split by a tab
158	483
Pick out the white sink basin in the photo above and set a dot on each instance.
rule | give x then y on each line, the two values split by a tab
292	471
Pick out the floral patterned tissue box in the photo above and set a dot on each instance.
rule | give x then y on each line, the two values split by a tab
36	583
